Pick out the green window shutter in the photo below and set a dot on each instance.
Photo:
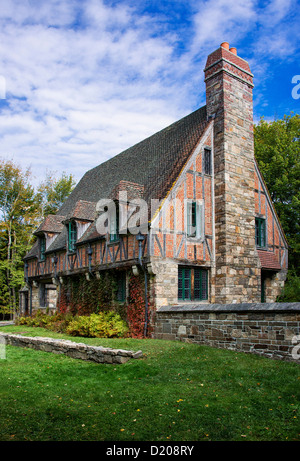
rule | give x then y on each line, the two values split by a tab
200	284
114	227
180	283
184	283
72	237
260	232
192	219
263	232
192	288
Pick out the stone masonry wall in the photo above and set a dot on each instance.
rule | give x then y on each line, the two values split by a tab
229	84
164	285
75	350
271	330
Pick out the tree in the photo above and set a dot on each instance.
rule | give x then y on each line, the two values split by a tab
53	192
277	151
18	215
21	210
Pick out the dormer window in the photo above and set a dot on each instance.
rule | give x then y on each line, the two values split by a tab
72	236
114	226
42	248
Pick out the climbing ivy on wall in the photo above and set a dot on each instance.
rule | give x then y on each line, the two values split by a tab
136	307
79	296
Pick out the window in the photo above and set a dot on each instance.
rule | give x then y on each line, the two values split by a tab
260	232
72	236
114	226
121	292
207	161
194	219
42	295
42	248
192	284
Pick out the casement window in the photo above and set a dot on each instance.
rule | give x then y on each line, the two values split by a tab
194	220
192	284
121	291
260	232
42	248
207	161
114	226
72	236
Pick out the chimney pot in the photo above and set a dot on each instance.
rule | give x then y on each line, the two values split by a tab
225	45
233	50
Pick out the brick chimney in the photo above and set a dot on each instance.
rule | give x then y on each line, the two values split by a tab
229	84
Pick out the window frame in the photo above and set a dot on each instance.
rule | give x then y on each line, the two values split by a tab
72	236
207	161
114	226
260	232
187	277
42	243
194	222
121	293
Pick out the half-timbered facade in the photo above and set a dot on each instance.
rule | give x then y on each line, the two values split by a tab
190	210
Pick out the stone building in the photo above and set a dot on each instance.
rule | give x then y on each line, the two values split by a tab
186	207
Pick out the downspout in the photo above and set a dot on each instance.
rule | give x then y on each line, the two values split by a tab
90	252
30	304
140	239
30	288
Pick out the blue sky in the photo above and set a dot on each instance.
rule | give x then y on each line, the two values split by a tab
82	80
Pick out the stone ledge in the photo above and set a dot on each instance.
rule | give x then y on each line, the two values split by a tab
81	351
242	307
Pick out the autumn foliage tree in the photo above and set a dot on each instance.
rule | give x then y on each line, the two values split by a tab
18	216
21	210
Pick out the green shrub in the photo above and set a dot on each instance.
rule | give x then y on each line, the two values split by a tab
51	322
102	325
291	290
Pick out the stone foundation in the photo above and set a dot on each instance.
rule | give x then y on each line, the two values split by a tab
272	330
75	350
164	284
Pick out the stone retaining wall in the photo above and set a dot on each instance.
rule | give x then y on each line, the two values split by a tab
269	329
75	350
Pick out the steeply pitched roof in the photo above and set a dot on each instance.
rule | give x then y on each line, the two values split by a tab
153	163
83	211
52	224
147	169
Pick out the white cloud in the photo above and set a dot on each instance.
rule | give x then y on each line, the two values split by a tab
222	20
87	79
77	95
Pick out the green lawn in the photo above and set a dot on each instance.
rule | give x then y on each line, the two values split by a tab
177	392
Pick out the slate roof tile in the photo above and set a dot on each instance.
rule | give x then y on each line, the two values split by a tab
148	169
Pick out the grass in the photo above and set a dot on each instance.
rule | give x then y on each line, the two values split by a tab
177	392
